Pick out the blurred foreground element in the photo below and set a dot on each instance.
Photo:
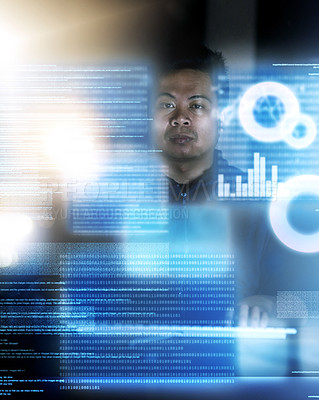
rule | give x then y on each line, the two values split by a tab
14	228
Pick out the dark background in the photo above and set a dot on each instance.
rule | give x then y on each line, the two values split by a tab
82	31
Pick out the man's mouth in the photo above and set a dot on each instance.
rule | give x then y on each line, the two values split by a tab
180	139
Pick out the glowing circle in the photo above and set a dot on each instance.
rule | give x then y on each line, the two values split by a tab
290	190
307	221
272	100
268	111
299	131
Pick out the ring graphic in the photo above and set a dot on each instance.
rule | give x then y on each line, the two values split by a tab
299	131
264	108
286	233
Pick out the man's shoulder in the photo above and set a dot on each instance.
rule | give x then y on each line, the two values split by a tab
205	187
222	166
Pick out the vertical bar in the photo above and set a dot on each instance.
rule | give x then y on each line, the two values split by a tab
226	189
250	182
256	174
220	185
262	177
244	190
238	186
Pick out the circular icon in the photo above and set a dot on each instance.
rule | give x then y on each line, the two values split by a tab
264	109
299	131
299	235
268	111
302	215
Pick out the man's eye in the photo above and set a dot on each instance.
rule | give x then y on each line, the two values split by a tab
197	106
166	105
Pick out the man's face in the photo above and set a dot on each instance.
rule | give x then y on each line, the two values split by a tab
185	122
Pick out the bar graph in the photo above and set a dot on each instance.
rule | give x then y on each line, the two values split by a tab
256	185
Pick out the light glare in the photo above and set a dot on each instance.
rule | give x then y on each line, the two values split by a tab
71	149
14	227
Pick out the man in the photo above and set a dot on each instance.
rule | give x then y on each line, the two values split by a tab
187	124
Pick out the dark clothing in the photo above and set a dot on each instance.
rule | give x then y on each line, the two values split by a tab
212	226
204	188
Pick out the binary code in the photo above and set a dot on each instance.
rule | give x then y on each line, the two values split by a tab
126	302
116	313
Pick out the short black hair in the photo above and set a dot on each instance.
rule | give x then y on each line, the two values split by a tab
197	57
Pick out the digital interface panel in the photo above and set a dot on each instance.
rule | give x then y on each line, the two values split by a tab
105	283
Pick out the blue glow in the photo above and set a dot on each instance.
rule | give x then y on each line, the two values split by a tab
268	111
299	131
263	109
119	288
279	213
301	213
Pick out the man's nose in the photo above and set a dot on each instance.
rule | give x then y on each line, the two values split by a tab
180	117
